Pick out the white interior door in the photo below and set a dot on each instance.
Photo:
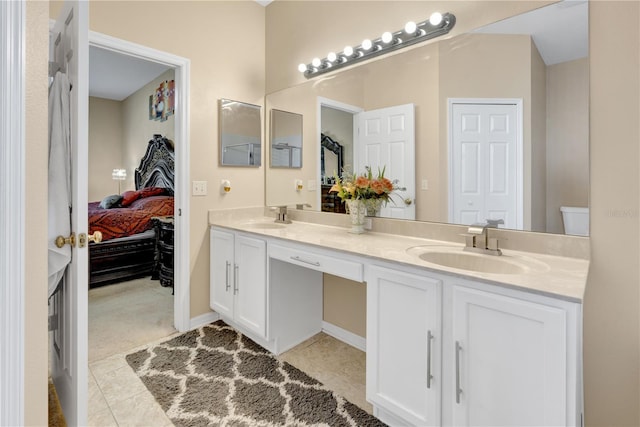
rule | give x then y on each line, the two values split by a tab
387	140
484	163
69	341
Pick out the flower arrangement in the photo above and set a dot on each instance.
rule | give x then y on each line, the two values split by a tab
365	186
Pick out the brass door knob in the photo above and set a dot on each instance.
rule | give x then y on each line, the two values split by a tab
96	237
408	201
71	240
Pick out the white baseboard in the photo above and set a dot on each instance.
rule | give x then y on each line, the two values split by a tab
345	336
203	319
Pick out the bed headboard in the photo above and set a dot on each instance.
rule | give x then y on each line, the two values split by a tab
157	166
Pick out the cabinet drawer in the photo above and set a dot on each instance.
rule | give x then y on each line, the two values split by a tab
327	264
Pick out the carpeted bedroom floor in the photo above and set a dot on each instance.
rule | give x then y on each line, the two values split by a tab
127	317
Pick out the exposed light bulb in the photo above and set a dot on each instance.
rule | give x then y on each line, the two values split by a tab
435	18
332	56
410	27
387	37
302	68
366	44
348	50
316	62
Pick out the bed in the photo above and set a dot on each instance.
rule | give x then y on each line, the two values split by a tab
128	248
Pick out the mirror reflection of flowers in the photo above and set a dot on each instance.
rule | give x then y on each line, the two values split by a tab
365	186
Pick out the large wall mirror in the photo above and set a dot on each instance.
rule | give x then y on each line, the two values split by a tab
501	111
286	139
240	133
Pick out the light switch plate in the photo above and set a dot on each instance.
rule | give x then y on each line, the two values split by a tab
425	184
199	188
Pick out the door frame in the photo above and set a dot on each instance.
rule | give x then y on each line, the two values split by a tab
181	304
336	105
518	102
12	204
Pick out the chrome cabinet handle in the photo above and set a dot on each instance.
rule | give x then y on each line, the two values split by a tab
236	270
297	258
458	389
429	376
227	285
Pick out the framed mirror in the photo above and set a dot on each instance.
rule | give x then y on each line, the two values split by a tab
541	71
286	139
240	133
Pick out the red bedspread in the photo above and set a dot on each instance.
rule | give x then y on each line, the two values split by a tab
134	219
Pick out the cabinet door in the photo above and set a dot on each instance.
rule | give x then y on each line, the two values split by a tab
508	359
403	345
250	284
221	273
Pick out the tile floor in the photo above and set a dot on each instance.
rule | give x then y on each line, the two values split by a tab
129	316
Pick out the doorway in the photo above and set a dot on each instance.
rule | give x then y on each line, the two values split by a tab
180	65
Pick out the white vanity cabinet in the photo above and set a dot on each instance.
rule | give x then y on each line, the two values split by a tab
403	346
510	359
238	282
448	351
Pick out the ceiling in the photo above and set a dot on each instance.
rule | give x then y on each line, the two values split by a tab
116	76
560	32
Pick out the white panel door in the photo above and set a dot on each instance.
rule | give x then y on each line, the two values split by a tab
221	274
386	139
484	162
69	358
508	361
404	344
250	284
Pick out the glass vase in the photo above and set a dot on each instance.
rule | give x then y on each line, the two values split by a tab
373	206
357	211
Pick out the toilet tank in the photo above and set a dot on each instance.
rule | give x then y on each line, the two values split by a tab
576	220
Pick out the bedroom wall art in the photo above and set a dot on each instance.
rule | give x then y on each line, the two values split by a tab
162	102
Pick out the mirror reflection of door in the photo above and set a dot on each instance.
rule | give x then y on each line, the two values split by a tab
381	139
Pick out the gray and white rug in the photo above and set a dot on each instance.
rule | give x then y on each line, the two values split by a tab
216	376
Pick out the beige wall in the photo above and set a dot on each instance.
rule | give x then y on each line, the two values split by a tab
137	129
345	304
539	142
105	146
611	328
200	32
567	139
36	151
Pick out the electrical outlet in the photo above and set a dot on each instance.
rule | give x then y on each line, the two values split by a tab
368	224
311	185
425	184
199	188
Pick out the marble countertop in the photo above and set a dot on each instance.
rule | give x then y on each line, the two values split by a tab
549	275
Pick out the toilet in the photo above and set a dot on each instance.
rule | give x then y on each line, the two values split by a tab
576	220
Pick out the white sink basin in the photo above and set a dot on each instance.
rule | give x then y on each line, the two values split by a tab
455	257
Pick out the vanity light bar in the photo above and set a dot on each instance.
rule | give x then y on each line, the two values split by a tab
436	26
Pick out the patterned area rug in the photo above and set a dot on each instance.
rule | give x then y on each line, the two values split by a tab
216	376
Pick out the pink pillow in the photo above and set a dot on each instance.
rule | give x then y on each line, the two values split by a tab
129	197
151	191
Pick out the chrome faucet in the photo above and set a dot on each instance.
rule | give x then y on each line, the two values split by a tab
281	216
478	240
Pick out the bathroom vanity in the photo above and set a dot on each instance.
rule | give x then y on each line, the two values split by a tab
453	338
